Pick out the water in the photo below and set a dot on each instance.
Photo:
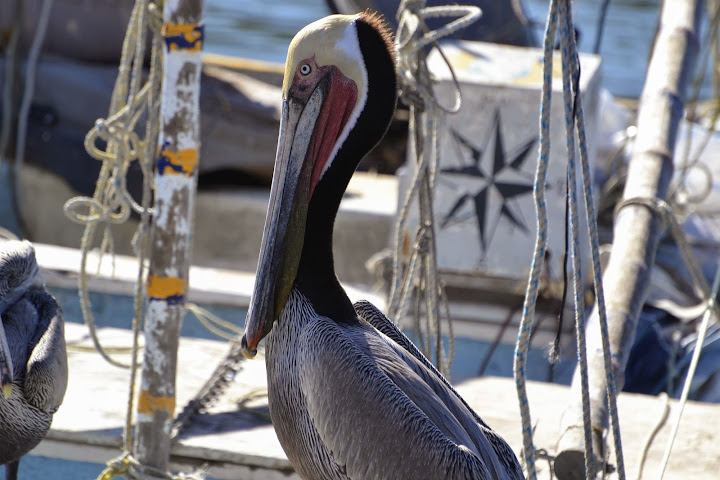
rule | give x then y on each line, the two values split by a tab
262	30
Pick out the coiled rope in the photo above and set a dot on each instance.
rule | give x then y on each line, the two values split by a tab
112	204
413	35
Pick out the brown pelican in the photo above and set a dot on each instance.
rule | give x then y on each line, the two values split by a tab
33	362
350	396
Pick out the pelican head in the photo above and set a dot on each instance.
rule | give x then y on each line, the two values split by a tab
339	94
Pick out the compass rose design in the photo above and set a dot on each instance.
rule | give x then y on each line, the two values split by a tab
490	183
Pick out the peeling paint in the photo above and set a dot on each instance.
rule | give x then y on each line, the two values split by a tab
169	289
148	404
175	183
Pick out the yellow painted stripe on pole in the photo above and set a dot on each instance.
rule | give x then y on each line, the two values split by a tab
149	404
164	288
182	162
183	36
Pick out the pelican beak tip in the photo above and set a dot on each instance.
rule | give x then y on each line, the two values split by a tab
246	350
7	389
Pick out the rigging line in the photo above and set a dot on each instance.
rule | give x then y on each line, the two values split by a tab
580	320
687	163
664	397
10	80
141	240
702	330
111	203
591	218
496	341
118	98
528	312
28	93
555	349
10	115
601	26
416	90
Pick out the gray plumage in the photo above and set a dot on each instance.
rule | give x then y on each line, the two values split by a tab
34	328
350	396
361	402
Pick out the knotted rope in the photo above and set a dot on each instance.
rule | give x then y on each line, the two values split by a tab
413	36
127	465
111	202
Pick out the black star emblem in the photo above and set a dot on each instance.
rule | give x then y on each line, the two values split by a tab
493	188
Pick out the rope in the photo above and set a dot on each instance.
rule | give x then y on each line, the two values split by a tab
214	324
688	164
112	203
570	97
651	436
702	331
413	35
10	116
573	114
601	26
28	93
664	211
528	311
126	465
595	247
11	65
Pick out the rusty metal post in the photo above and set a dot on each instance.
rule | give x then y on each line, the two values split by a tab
175	185
637	228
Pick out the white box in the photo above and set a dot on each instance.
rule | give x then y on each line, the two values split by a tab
484	207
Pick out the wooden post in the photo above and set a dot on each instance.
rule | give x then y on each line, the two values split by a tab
175	185
637	227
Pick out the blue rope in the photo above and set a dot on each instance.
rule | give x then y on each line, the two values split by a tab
595	253
523	341
573	111
565	33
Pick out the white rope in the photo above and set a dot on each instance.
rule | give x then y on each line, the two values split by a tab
416	87
522	345
665	398
111	203
563	12
702	331
569	44
213	323
573	112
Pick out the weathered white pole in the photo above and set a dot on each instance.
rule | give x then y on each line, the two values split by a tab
637	227
175	185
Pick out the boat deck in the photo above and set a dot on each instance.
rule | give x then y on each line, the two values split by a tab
240	444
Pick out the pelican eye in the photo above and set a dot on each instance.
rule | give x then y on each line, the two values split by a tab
305	69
